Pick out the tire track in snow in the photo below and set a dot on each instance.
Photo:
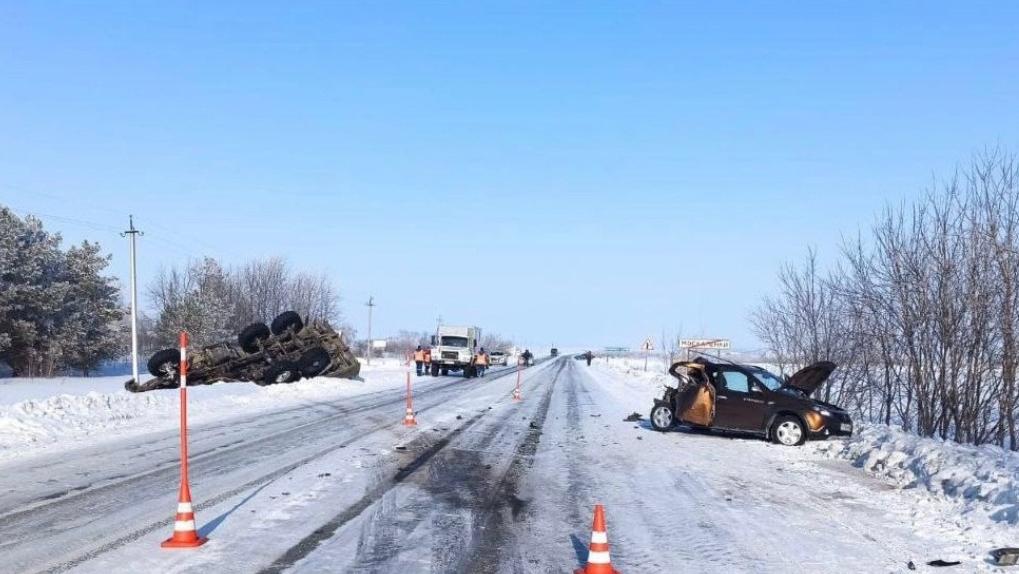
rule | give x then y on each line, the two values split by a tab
310	543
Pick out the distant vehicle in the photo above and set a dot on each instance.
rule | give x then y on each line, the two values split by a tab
745	398
554	352
453	350
284	353
498	358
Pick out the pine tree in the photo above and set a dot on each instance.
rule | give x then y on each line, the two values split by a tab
56	308
90	332
31	294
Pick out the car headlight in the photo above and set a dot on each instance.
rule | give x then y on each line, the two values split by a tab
823	412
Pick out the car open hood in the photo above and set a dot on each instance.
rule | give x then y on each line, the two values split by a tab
807	380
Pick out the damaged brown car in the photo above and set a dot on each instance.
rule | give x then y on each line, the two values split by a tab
749	399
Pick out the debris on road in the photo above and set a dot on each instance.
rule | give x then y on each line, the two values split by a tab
634	417
1005	556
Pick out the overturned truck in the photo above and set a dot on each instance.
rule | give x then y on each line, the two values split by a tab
282	353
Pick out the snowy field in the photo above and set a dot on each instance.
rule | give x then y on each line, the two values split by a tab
320	476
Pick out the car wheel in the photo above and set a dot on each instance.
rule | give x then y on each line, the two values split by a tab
662	418
280	373
314	362
788	431
287	320
251	335
165	364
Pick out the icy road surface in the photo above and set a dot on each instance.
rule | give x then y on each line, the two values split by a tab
483	484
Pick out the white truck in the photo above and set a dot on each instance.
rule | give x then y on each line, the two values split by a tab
453	350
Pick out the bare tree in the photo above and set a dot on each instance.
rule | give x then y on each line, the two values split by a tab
922	315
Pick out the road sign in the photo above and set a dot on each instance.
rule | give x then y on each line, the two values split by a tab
647	347
705	344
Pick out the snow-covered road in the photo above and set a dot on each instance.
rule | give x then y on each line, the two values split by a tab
483	484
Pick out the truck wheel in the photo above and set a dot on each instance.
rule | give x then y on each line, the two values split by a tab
314	362
251	335
662	418
435	369
165	364
287	320
279	373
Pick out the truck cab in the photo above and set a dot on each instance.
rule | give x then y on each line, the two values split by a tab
453	350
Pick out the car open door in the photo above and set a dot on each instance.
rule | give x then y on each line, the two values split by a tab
697	405
736	407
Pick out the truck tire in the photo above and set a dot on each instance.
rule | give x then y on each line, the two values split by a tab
314	362
165	364
287	320
435	369
280	373
251	335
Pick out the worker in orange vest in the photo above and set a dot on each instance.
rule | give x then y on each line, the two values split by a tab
428	360
419	359
481	362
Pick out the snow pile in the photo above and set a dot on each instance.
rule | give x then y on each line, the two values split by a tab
984	478
52	413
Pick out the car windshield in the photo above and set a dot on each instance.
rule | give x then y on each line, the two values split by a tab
454	341
767	379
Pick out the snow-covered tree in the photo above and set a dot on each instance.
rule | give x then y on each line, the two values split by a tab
55	307
90	332
195	299
31	294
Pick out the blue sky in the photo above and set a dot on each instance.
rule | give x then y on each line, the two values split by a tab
579	173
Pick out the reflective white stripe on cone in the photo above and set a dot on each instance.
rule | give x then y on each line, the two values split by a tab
598	559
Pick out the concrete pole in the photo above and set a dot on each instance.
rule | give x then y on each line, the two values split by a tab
133	233
371	305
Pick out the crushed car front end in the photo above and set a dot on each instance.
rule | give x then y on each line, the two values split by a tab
824	420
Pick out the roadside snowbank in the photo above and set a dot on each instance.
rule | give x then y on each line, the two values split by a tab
32	417
985	478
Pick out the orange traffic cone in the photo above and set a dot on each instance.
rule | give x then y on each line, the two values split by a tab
408	419
184	533
598	561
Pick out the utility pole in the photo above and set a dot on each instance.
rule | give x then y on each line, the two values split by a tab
133	233
370	304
